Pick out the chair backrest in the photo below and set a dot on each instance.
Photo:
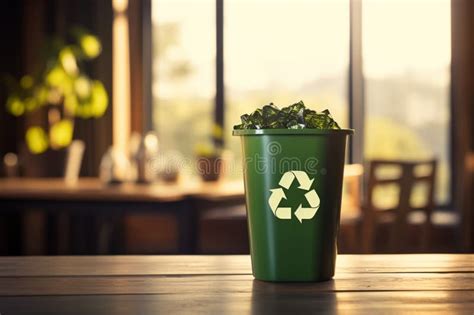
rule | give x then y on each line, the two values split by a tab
406	177
351	201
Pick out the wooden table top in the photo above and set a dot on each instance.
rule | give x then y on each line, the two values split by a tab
92	189
370	284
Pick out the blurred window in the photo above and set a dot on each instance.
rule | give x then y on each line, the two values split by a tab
183	87
406	59
284	51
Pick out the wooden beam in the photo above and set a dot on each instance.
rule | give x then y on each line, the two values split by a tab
462	73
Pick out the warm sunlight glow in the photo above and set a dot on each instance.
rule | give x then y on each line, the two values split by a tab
407	56
287	50
120	6
402	35
183	85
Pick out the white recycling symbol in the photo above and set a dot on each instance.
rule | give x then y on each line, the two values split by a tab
278	195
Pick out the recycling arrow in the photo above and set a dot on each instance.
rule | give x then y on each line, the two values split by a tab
313	198
308	213
278	194
275	198
283	213
287	179
305	213
303	179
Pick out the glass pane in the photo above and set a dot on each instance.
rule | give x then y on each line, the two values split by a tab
407	53
282	52
183	72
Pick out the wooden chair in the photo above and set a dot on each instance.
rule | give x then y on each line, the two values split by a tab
348	238
408	176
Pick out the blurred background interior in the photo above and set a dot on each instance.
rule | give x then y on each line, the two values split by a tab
116	119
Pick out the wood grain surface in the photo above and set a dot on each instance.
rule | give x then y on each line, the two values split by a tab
92	189
388	284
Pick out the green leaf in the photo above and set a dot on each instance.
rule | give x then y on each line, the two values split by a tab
26	82
90	45
41	94
36	140
15	106
71	104
68	60
82	87
60	133
56	76
30	104
99	99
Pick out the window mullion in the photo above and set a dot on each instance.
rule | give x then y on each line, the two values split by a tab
356	83
219	100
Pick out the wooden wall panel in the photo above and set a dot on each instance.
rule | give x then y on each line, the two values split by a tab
463	114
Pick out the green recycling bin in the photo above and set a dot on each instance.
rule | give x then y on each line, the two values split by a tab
293	187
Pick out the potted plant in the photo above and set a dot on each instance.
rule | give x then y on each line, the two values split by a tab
209	156
55	95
